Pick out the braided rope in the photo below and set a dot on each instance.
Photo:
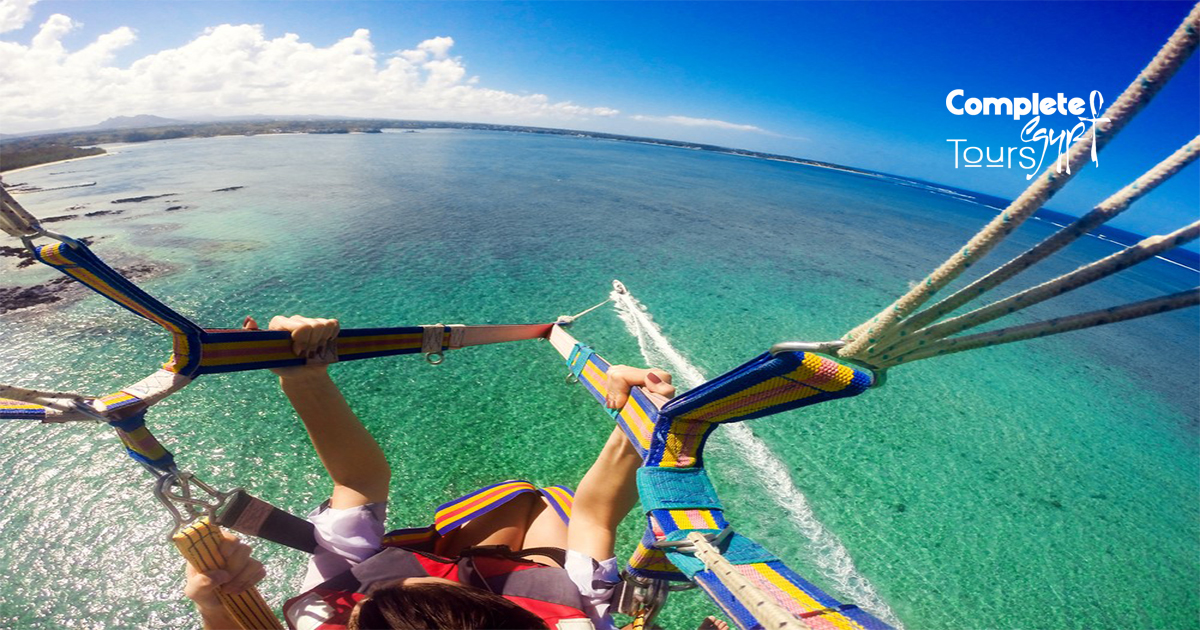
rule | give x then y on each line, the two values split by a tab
1160	69
64	404
1153	306
1124	259
769	614
1104	211
15	220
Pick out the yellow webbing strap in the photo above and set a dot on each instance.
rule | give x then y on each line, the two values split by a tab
200	544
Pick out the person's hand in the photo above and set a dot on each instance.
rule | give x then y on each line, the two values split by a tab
713	623
622	379
312	338
241	573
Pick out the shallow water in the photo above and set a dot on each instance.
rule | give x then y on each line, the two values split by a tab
1049	484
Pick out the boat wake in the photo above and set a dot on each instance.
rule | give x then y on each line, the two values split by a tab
830	556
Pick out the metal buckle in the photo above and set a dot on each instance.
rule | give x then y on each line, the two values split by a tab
174	490
686	546
878	375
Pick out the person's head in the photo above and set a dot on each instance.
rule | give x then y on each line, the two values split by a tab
421	603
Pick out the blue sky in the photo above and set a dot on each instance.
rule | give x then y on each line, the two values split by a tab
862	84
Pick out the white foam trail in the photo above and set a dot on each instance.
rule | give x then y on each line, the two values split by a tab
829	554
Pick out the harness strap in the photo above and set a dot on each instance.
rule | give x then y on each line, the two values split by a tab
140	444
249	515
556	554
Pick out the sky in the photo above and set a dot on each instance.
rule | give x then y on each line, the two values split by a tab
863	84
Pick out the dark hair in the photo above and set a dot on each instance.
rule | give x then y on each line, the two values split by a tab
394	606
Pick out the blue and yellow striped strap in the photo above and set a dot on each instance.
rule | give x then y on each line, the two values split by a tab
18	410
74	259
140	444
224	350
676	489
415	538
793	593
636	419
766	385
561	500
453	514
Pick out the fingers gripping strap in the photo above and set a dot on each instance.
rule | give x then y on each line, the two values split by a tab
200	543
636	419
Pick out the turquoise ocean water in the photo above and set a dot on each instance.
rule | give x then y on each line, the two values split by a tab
1050	484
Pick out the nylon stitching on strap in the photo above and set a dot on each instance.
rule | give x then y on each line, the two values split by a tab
431	338
676	489
458	334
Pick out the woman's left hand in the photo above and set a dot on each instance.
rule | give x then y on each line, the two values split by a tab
622	379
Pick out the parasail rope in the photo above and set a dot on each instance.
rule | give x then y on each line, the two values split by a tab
1152	78
769	614
1104	211
1175	301
1087	274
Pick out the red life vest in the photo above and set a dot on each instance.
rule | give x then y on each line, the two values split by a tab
545	591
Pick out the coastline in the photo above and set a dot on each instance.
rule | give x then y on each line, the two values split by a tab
68	160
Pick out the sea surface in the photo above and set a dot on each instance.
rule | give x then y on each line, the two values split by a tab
1049	484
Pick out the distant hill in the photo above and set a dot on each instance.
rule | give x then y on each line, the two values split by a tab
134	122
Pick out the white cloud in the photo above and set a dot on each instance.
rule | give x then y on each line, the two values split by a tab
15	14
439	47
688	121
236	70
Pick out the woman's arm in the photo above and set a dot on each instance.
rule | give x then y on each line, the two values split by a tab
350	454
609	489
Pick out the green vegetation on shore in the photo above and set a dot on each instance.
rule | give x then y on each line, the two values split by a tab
30	151
12	159
22	152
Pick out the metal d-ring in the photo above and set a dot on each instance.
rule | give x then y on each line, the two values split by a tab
572	378
434	358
